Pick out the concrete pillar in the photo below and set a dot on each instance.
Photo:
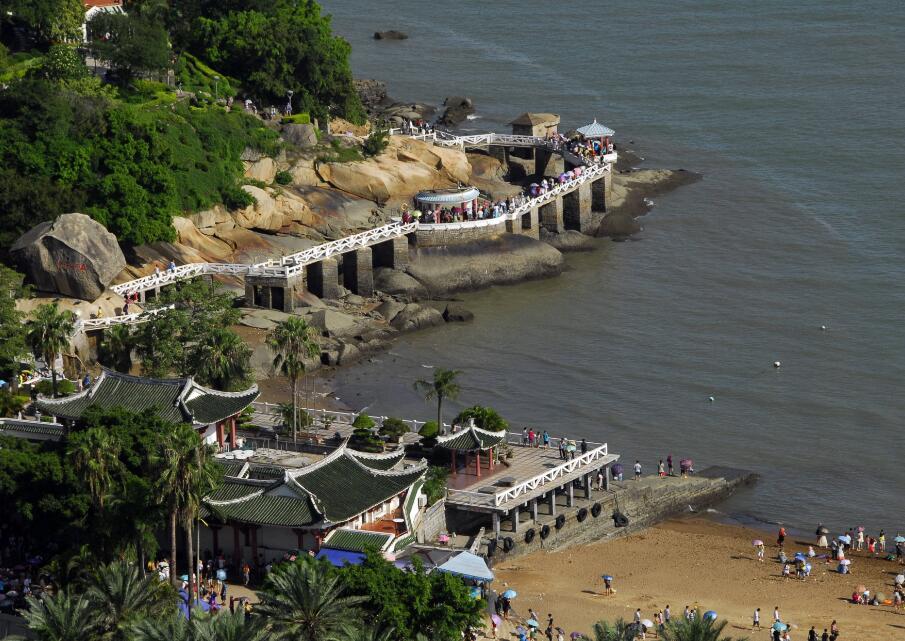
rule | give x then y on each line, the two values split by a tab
551	216
548	163
606	477
495	517
392	253
513	516
570	497
600	191
577	208
587	485
323	278
552	494
534	510
500	153
358	271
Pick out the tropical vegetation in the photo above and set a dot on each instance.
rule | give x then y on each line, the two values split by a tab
444	385
485	418
292	343
48	333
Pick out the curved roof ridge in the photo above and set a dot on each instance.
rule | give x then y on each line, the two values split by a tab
142	379
216	392
491	433
422	464
377	455
302	471
241	499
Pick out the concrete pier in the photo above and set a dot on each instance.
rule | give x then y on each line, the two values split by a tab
551	216
273	292
600	191
527	225
392	253
323	278
358	271
577	208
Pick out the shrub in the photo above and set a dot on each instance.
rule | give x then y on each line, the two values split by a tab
429	432
363	421
297	119
376	143
283	177
486	418
64	387
393	428
11	404
435	484
364	440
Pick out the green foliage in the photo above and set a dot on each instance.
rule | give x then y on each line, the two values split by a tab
283	178
115	350
364	440
697	629
376	142
132	43
363	421
292	343
442	386
297	119
274	47
194	75
393	428
48	332
486	418
618	631
338	152
436	605
11	404
49	21
429	430
62	63
65	387
435	483
223	360
131	167
12	331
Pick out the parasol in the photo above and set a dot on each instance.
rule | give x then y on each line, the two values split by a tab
757	542
686	462
617	469
823	530
845	538
845	562
710	615
899	539
496	619
509	594
606	577
575	635
520	630
780	626
532	623
647	623
900	578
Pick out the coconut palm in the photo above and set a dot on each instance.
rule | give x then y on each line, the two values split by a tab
369	632
222	359
48	335
618	631
292	341
304	601
95	456
62	617
116	348
171	627
442	386
121	596
227	626
699	628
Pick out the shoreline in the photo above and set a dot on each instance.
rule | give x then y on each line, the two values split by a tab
699	561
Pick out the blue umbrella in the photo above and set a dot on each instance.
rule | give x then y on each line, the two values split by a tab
899	539
606	577
779	625
509	594
531	623
710	614
801	555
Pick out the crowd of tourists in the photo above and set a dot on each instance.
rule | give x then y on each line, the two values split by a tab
21	572
485	210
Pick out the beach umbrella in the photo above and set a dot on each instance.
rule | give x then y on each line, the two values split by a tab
899	539
532	623
757	542
575	635
900	578
823	530
686	462
710	615
845	538
845	562
617	468
606	577
509	594
496	618
520	630
780	626
860	528
184	577
647	623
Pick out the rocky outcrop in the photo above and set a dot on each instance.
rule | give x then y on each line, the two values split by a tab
372	93
398	283
263	170
405	168
414	317
73	255
567	241
390	35
457	313
458	108
300	135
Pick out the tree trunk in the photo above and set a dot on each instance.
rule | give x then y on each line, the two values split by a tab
190	549
173	547
439	414
53	375
295	408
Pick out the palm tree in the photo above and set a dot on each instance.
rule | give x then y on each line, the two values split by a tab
222	359
95	456
120	596
371	632
304	600
173	627
64	617
618	631
292	341
188	475
441	387
697	629
48	335
116	348
227	626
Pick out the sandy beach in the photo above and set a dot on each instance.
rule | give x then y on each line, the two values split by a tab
698	562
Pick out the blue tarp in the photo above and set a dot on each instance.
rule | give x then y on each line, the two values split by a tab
340	558
468	566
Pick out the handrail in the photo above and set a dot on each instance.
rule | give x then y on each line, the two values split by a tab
125	319
550	475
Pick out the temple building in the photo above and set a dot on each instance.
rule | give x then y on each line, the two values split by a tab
336	506
212	413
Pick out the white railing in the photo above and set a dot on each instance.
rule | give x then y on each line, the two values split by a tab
125	319
550	475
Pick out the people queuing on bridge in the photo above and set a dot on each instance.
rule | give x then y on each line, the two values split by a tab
485	210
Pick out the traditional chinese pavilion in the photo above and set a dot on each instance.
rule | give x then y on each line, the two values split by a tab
346	502
179	400
470	443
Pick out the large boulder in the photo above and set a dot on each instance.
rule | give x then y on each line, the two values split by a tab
73	255
300	135
458	108
263	170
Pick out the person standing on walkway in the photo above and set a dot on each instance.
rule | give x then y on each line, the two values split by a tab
584	446
546	439
637	470
562	447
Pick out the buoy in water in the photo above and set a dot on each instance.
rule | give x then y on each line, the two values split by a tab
711	399
777	364
823	328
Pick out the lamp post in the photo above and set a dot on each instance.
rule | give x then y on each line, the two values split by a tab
216	87
289	93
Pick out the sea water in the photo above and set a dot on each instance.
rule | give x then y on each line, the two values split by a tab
794	112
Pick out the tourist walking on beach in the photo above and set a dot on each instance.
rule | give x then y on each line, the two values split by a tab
881	542
669	464
666	614
637	470
661	469
812	634
687	614
860	539
781	537
776	617
756	622
760	552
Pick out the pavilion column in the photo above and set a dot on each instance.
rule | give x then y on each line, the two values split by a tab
534	510
606	477
513	516
477	463
219	429
300	538
570	497
232	432
490	460
452	465
318	539
237	550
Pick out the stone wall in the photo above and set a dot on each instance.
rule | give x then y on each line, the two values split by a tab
433	523
442	237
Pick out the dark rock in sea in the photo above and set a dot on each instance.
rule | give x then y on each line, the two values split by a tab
457	313
568	241
619	226
73	255
398	283
416	316
390	35
458	108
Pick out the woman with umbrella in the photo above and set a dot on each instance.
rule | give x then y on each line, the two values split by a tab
607	584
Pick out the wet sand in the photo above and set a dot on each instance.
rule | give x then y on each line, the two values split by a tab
700	563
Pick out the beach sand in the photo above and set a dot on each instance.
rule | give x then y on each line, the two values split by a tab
698	562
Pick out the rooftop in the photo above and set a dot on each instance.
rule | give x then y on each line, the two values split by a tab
532	119
179	400
471	439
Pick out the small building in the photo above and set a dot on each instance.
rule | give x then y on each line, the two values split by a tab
347	501
470	443
465	198
535	124
212	413
96	7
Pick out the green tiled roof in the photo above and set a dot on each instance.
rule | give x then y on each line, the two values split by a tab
472	438
230	467
379	461
233	490
266	472
342	488
268	510
162	395
15	427
356	540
